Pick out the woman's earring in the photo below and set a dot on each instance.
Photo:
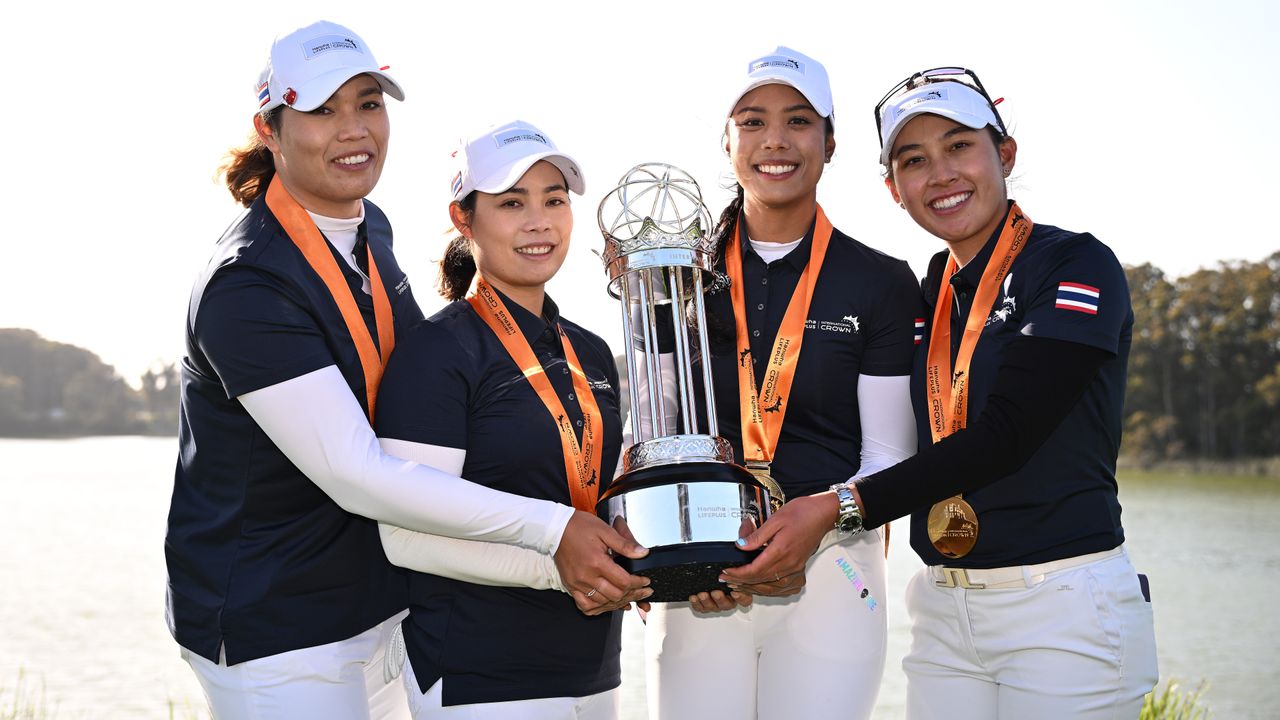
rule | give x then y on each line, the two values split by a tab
902	205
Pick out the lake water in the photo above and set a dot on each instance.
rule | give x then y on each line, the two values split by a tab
82	584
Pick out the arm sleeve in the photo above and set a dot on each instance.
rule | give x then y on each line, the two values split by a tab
1020	414
888	425
317	423
483	563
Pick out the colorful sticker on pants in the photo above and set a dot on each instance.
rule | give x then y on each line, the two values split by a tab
855	580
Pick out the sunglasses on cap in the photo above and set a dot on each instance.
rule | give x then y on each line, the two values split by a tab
960	75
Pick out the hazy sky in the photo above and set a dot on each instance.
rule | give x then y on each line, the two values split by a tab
1151	125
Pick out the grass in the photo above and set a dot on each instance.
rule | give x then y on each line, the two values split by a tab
1173	703
23	705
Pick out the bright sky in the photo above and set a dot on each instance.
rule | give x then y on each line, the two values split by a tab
1150	124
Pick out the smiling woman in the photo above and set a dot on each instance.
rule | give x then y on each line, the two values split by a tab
502	388
810	351
330	157
280	594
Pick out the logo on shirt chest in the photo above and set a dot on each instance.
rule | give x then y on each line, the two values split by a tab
403	285
847	325
1008	305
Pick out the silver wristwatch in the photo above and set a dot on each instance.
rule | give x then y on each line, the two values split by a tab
850	518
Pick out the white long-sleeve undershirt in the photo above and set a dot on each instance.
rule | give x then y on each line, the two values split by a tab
483	563
317	423
888	424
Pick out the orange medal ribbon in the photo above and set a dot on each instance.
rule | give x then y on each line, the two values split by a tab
952	524
581	461
304	233
949	401
762	413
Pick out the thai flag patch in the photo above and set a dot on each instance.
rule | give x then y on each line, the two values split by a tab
264	95
1078	297
919	330
456	185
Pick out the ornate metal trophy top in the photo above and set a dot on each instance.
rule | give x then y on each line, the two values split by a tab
659	256
680	494
654	218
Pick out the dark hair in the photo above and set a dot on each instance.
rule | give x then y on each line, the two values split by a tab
248	169
458	266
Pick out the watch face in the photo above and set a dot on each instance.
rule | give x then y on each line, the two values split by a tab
852	523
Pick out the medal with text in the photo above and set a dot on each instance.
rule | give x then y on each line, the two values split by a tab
581	460
953	524
762	413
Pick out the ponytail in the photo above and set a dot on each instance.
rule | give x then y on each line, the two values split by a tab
247	170
721	332
458	266
728	222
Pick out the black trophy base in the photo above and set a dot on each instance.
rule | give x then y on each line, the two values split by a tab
679	571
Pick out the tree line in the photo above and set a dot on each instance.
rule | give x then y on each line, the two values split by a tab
1204	372
52	389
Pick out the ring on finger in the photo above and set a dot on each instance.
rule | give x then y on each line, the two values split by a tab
591	593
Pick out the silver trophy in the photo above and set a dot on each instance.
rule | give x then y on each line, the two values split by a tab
680	493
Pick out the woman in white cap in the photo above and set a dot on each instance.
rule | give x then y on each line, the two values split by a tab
279	592
1028	605
811	351
499	387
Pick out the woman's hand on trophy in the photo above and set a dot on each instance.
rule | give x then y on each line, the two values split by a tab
789	537
587	569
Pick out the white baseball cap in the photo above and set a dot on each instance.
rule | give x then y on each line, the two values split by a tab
497	158
308	65
954	100
787	67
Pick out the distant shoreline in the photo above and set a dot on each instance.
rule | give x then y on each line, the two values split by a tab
1267	467
1251	467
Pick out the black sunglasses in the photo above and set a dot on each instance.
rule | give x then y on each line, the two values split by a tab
939	74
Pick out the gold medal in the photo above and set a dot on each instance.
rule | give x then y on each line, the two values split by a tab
953	527
776	496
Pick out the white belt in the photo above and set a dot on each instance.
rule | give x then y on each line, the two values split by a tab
1011	577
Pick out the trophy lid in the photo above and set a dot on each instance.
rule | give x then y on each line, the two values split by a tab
655	217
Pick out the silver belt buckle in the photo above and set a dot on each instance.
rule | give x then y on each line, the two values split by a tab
957	577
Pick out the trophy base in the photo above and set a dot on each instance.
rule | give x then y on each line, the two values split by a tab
676	572
689	515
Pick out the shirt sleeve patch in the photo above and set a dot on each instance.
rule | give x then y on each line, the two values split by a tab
1078	297
919	334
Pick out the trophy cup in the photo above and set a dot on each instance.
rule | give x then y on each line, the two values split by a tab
680	493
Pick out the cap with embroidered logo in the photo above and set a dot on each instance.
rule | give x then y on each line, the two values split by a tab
497	158
307	66
787	67
953	100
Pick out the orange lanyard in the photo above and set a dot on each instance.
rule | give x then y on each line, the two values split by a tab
581	462
949	401
304	233
762	413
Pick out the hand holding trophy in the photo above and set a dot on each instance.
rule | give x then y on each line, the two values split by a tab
680	494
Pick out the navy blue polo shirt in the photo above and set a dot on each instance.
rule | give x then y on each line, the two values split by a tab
861	321
451	383
259	558
1062	502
